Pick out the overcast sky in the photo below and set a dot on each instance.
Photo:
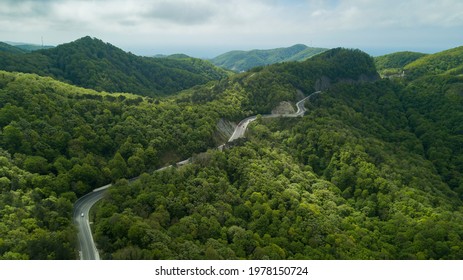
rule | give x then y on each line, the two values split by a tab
206	28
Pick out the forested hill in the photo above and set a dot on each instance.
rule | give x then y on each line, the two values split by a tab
445	62
4	47
374	170
244	60
58	141
394	63
91	63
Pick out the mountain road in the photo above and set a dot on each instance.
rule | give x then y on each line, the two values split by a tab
87	248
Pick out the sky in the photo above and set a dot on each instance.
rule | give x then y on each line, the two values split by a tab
207	28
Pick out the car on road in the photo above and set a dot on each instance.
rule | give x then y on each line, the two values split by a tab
82	214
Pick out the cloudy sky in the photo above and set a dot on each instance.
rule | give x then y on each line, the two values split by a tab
206	28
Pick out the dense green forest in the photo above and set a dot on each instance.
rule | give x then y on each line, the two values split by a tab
4	47
393	64
59	142
446	62
244	60
91	63
353	179
372	171
66	141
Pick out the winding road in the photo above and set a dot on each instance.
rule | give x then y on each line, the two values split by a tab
87	248
82	207
243	125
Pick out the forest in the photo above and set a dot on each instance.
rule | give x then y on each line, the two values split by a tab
351	180
372	171
91	63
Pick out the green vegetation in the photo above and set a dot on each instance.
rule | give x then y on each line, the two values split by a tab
59	142
446	62
68	140
372	171
244	60
32	47
35	222
91	63
351	180
4	47
394	63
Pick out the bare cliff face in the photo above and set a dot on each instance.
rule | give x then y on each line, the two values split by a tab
224	129
284	107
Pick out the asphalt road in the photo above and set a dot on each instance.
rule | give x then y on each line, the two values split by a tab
87	248
243	125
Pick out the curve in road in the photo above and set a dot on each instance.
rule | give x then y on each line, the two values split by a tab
87	248
243	125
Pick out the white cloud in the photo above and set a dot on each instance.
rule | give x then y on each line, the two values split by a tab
259	23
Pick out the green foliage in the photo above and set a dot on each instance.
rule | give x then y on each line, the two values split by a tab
32	47
61	142
435	115
92	138
372	171
35	221
396	60
94	64
440	63
244	60
4	47
350	180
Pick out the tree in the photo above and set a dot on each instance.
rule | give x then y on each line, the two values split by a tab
118	167
36	164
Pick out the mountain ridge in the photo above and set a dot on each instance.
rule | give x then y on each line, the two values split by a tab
244	60
445	62
92	63
5	47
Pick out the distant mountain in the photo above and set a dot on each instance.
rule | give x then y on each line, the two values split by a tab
91	63
445	62
4	47
25	47
245	60
32	47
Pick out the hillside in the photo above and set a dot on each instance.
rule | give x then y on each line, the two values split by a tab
396	60
4	47
394	63
91	63
244	60
59	142
445	62
372	171
32	47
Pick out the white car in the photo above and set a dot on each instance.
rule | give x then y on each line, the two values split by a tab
82	214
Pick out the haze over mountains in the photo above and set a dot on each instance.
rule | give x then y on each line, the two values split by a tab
244	60
374	170
237	61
